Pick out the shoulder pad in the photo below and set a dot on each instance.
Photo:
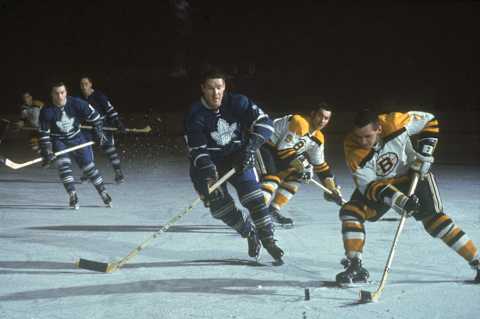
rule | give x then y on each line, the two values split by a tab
318	137
355	156
393	122
298	125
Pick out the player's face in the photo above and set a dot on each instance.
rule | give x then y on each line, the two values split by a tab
85	86
27	99
368	135
59	95
213	90
320	119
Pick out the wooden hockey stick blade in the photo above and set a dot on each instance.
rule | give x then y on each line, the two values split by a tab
14	165
111	267
96	265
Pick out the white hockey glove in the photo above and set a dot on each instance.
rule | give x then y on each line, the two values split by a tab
424	156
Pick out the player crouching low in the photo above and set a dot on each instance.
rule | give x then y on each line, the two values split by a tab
381	157
60	129
292	155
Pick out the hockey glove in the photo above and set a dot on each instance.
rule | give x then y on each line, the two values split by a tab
336	195
100	135
402	203
119	125
303	168
424	156
247	157
207	177
48	158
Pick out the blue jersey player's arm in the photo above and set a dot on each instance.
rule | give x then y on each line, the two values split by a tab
110	111
87	112
197	142
44	131
259	124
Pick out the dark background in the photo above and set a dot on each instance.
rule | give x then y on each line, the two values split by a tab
352	54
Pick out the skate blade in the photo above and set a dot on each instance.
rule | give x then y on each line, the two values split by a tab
96	266
357	284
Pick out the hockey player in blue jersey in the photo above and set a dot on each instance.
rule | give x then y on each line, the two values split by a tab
222	131
110	117
60	129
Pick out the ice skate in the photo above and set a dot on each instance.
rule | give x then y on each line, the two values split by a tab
254	244
354	273
276	252
73	202
119	177
107	200
475	264
281	220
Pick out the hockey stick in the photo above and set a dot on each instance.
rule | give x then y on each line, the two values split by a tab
146	129
113	266
14	165
367	296
326	190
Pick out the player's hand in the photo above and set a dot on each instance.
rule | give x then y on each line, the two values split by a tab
247	159
422	164
208	177
47	159
120	126
409	205
336	195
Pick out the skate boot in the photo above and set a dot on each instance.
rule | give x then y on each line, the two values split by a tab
475	264
276	252
254	245
280	219
73	202
354	272
119	178
107	200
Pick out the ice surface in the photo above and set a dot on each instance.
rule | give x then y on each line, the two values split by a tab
200	268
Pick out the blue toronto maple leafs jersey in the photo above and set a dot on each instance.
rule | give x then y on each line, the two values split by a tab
102	105
64	122
212	135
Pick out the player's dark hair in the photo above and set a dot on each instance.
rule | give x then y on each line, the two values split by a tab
323	106
365	117
212	73
57	84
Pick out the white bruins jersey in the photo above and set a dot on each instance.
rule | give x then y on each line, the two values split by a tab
31	113
292	137
393	154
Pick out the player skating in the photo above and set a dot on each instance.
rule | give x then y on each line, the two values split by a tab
110	117
381	157
222	131
60	129
292	155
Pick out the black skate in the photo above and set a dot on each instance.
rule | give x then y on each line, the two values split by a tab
73	203
475	264
254	245
119	178
107	200
354	273
276	252
281	220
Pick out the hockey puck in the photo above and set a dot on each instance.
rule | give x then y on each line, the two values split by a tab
307	294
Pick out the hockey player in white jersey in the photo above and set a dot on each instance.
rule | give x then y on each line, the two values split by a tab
381	156
294	154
